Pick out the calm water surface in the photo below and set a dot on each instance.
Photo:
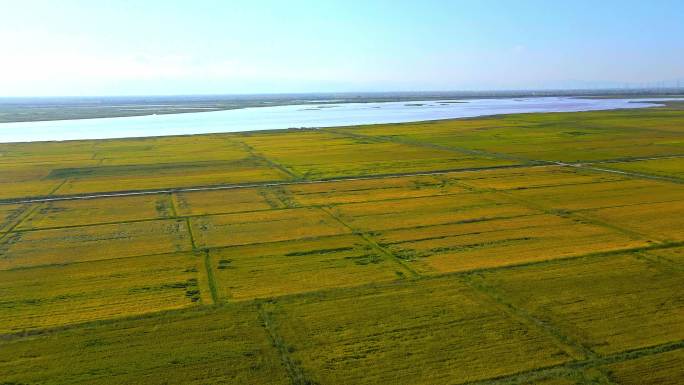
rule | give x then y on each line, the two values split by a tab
295	116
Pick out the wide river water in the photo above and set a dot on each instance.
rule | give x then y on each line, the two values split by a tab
296	116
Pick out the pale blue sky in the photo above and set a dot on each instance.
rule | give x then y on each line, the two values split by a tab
62	47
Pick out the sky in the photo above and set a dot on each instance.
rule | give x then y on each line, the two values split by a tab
68	47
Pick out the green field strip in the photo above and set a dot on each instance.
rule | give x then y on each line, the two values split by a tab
190	234
374	245
172	205
574	348
59	185
211	281
294	370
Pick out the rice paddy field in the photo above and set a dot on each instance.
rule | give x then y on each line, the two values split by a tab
508	250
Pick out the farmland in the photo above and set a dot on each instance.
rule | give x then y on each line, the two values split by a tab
514	249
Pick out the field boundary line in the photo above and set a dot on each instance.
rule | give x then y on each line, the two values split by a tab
21	218
374	245
59	185
211	281
190	234
172	205
294	371
566	343
252	151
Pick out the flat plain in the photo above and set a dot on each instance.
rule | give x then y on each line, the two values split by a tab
514	249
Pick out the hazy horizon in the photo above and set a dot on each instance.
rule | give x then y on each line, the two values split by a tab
78	48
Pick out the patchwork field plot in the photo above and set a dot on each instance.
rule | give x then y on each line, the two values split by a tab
95	211
608	304
201	346
88	243
274	269
427	211
501	242
52	296
437	331
263	226
226	201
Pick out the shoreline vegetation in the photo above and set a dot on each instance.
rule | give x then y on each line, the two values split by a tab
32	109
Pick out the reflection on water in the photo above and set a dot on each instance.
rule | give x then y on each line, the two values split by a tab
296	116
